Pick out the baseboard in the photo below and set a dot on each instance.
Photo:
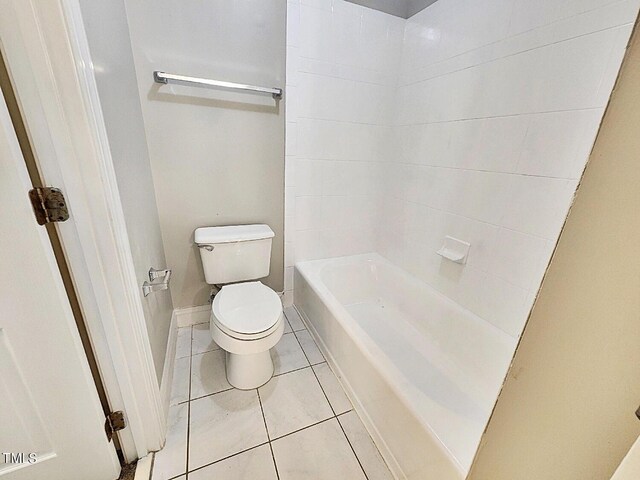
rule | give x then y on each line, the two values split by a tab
188	316
287	298
384	450
169	364
143	468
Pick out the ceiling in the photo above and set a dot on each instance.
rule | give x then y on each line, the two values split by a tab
399	8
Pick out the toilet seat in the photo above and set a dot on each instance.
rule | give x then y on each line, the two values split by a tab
247	311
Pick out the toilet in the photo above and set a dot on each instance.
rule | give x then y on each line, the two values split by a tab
246	316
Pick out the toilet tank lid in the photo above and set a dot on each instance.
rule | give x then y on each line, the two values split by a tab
232	233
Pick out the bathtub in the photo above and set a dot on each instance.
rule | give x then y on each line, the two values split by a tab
422	371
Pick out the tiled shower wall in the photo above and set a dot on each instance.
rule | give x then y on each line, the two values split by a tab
477	124
342	63
498	105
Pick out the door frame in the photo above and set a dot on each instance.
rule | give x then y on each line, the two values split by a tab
47	54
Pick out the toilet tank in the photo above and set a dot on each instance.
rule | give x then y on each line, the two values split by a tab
234	253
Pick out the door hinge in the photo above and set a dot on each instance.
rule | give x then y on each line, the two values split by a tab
48	205
114	423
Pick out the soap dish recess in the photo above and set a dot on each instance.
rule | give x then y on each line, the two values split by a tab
454	250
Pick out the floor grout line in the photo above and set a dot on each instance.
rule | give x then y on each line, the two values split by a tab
269	439
291	371
229	456
186	475
206	351
352	449
211	394
264	419
268	442
331	406
292	329
232	388
275	464
304	428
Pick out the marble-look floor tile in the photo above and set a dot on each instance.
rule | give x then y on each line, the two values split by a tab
180	383
311	350
224	424
320	452
332	388
367	452
208	374
202	341
294	319
254	464
287	327
287	355
172	459
293	401
183	343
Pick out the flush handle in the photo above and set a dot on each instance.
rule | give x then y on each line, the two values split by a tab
208	248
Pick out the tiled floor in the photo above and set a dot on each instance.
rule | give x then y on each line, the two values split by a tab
299	426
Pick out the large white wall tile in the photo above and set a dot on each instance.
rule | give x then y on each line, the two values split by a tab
472	119
557	144
538	205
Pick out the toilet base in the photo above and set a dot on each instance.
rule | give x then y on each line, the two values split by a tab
249	371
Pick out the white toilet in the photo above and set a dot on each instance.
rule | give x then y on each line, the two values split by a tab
246	318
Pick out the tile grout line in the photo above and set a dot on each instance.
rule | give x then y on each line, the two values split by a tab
186	475
207	351
352	449
292	329
269	440
232	388
261	444
303	428
331	406
291	371
264	419
228	457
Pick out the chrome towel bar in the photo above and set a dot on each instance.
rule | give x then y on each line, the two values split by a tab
162	77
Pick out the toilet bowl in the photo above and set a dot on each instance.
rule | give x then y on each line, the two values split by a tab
247	321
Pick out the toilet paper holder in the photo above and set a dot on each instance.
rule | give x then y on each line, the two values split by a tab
155	273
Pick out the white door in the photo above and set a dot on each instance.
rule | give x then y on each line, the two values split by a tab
51	421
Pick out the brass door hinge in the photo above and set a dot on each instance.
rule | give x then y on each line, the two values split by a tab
114	423
48	205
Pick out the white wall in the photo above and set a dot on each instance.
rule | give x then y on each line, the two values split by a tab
108	36
217	157
341	73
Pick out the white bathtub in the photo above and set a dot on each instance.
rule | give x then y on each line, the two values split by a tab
423	372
